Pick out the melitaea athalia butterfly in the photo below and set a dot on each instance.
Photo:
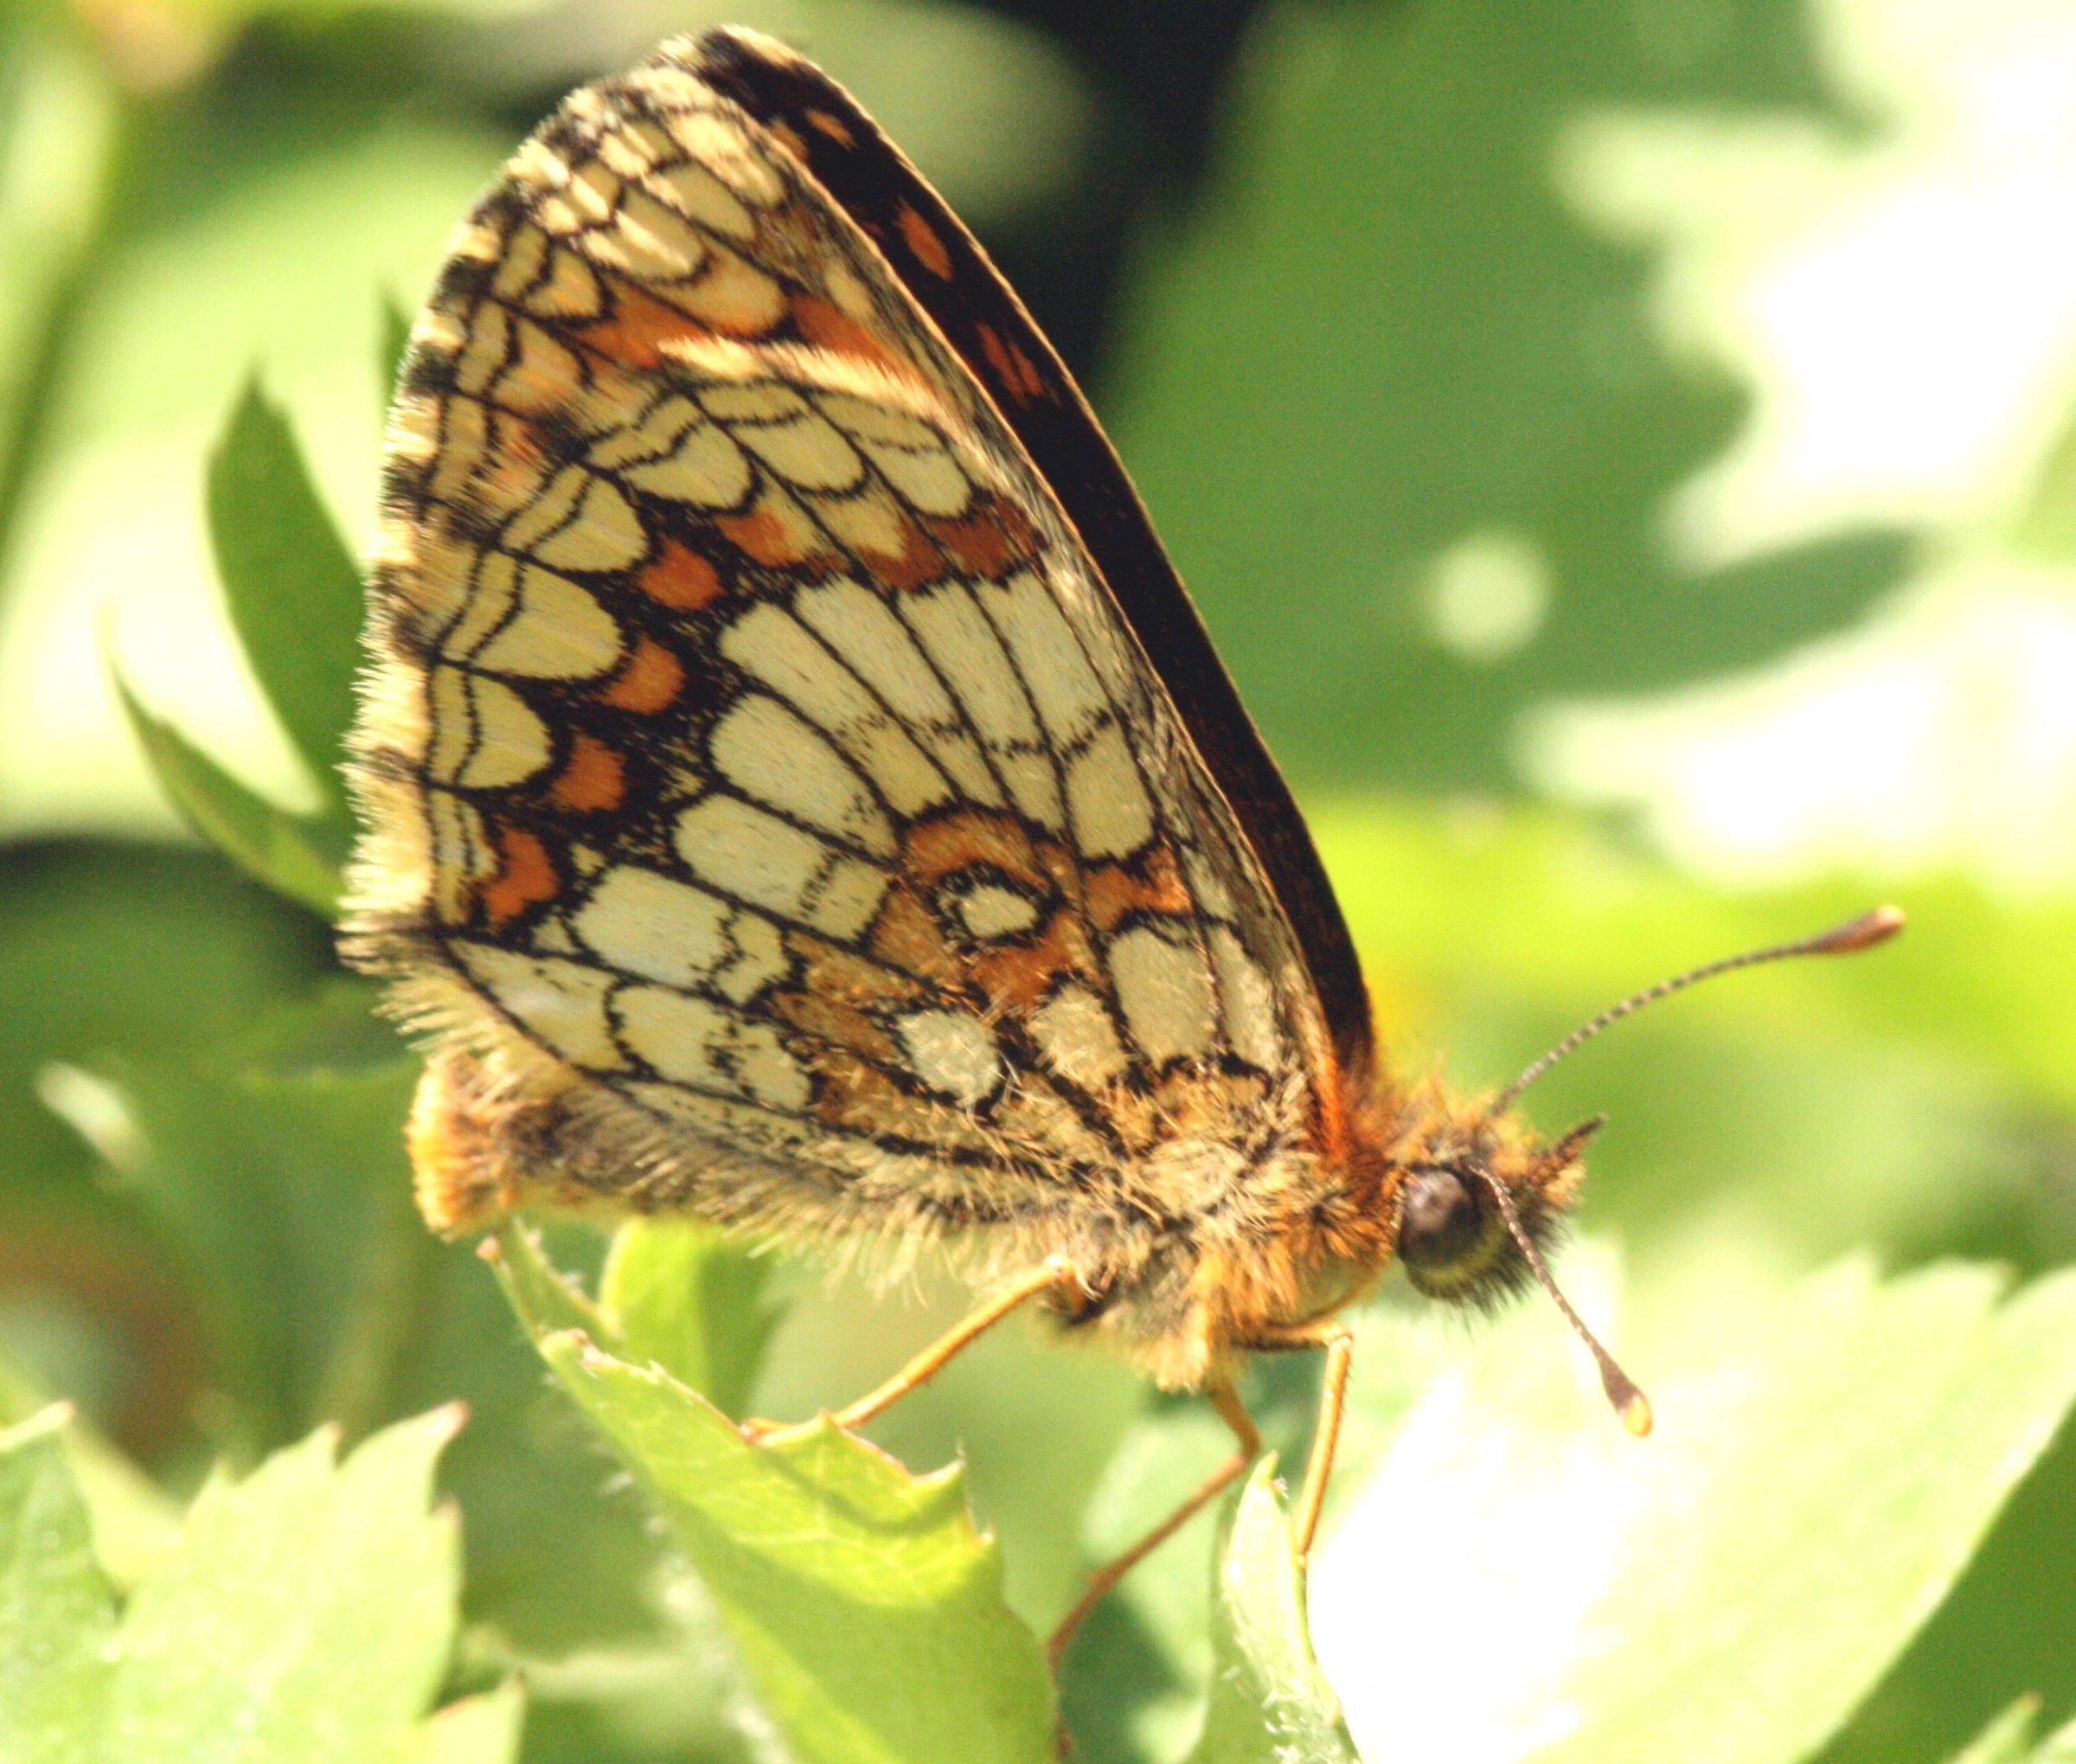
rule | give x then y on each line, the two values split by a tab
797	790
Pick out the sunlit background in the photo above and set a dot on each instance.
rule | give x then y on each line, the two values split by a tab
1626	455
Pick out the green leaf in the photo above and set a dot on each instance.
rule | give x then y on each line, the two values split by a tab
290	583
1519	1574
867	1610
1270	1704
308	1612
682	1295
57	1610
130	1519
272	1165
545	1298
294	855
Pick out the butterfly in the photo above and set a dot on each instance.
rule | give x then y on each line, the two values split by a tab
797	791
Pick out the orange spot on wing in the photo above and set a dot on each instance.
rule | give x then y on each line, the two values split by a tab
829	327
997	356
526	874
833	972
680	579
864	1098
921	239
594	779
907	937
831	1020
761	534
834	126
1031	381
515	435
638	330
510	460
874	525
778	537
933	849
991	542
1111	891
788	138
1018	977
916	565
648	680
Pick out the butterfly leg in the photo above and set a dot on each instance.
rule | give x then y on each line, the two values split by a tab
1225	1400
1055	1271
1339	1347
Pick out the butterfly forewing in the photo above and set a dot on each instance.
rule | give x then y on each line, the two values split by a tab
942	267
767	800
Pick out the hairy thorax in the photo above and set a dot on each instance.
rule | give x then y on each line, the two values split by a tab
1303	1232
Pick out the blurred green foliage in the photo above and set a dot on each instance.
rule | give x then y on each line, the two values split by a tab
306	1611
1417	428
1390	204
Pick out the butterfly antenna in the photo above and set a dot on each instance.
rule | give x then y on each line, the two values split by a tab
1623	1393
1855	934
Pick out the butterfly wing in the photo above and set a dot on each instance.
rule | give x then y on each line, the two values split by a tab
767	805
942	267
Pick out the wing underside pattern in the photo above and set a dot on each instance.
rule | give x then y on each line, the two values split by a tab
753	757
940	263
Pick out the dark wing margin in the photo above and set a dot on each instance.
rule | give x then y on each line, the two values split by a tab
943	267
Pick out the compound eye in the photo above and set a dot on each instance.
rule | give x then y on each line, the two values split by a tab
1441	1221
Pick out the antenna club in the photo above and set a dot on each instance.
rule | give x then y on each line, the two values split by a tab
1863	933
1624	1395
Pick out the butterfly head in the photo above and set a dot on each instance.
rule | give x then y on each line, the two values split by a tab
1465	1205
1476	1207
1476	1201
